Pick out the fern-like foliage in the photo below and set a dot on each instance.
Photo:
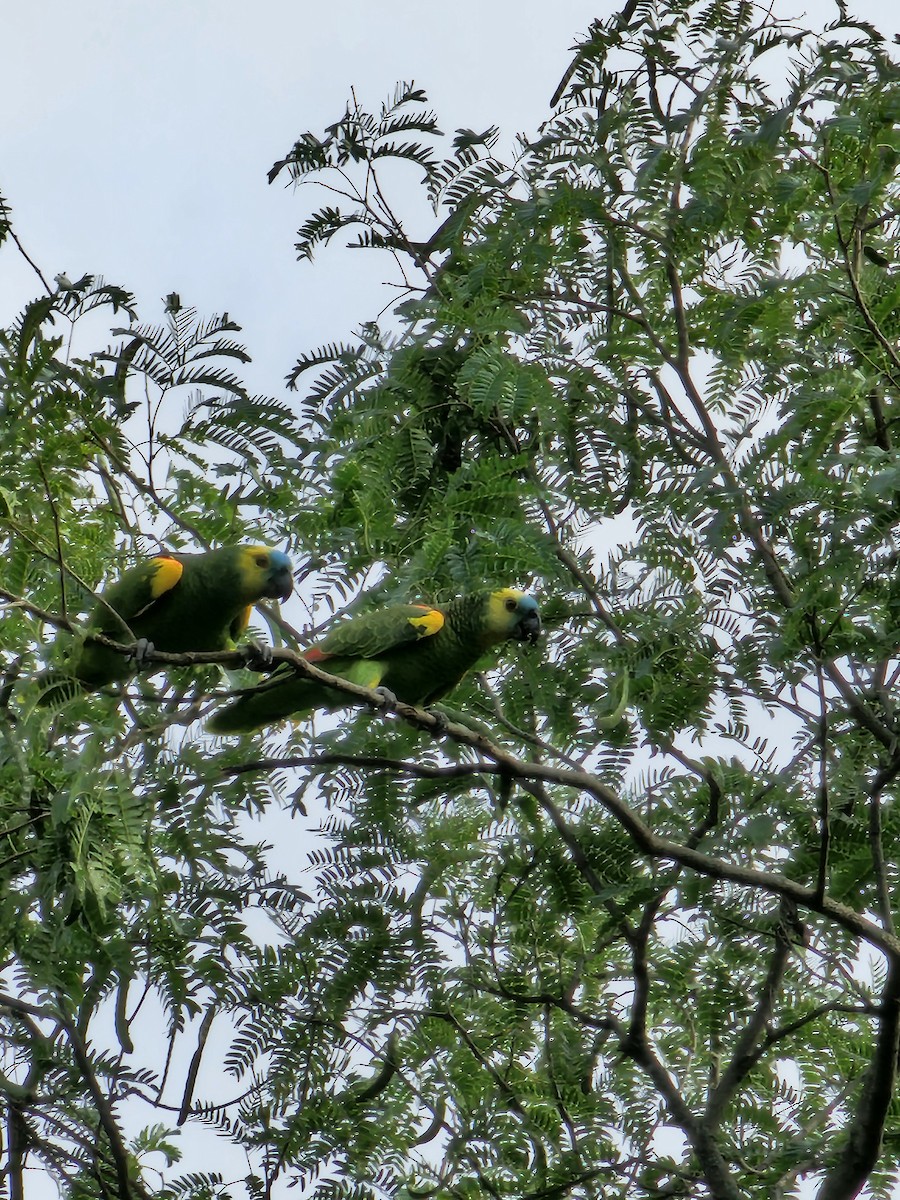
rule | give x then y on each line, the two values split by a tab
645	365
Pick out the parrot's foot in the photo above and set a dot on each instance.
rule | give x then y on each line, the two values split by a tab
257	656
387	697
441	722
143	649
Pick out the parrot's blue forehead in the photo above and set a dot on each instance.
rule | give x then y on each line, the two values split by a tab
279	559
528	603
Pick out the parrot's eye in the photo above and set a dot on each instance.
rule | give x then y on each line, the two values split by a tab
511	605
261	560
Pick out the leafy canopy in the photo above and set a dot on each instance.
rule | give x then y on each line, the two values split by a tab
629	930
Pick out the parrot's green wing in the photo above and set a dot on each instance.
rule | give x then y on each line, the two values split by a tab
176	602
377	633
133	598
360	650
136	594
416	652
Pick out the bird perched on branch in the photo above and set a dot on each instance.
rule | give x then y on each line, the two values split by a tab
415	652
175	603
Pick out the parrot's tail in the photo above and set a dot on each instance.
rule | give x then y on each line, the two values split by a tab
235	718
270	703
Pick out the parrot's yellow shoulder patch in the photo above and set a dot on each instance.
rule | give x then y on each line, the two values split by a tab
166	573
430	622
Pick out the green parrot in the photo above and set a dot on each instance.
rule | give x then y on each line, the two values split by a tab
175	603
416	652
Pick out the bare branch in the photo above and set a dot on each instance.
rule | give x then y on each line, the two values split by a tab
194	1068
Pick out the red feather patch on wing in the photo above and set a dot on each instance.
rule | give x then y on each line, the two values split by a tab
314	655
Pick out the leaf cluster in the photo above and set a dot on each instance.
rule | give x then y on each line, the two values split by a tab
641	940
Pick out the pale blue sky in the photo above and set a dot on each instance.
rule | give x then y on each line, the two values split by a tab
135	142
136	138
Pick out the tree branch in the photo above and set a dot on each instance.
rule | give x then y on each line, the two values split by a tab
861	1152
744	1058
194	1068
371	762
648	842
128	1186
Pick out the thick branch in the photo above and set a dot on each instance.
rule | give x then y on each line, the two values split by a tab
858	709
863	1148
712	1163
17	1142
644	838
371	762
745	1053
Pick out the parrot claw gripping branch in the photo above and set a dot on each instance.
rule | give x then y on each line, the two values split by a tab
174	603
197	603
409	652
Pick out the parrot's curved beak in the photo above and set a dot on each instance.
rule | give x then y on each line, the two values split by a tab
529	629
281	584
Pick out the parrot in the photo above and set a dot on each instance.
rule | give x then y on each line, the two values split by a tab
415	652
174	603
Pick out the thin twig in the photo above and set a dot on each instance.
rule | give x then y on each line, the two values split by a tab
37	270
59	550
823	799
127	1185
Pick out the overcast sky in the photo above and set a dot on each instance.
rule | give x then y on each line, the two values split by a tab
135	142
136	137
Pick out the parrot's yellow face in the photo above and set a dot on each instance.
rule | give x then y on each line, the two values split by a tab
513	614
266	573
